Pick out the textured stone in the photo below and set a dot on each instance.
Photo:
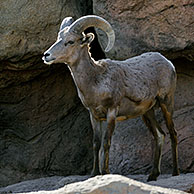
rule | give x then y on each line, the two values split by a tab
32	26
42	184
167	27
184	182
107	184
42	122
44	129
110	184
140	26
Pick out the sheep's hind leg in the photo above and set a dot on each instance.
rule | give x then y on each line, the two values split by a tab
96	125
106	142
152	124
167	105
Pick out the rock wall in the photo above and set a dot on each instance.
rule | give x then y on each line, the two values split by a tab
167	27
31	26
44	129
142	25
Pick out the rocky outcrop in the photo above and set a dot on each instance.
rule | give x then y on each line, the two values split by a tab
142	26
110	184
29	27
44	129
166	27
107	184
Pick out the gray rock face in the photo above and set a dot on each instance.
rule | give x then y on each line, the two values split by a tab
44	129
166	27
29	27
43	125
110	184
107	184
142	26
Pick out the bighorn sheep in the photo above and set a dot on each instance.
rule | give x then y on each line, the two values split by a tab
116	90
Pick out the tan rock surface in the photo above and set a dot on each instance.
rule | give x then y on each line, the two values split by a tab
107	184
142	25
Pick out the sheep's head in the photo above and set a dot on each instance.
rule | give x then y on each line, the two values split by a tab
71	39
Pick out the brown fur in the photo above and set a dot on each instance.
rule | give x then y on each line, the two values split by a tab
118	90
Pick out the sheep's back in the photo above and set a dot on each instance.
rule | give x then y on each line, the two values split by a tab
144	76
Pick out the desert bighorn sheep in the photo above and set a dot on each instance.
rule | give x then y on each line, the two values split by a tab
116	90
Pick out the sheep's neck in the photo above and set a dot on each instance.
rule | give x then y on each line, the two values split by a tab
83	72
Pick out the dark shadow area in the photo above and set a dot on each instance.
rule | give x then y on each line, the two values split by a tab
183	62
96	50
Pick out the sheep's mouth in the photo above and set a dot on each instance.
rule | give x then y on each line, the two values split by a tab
48	61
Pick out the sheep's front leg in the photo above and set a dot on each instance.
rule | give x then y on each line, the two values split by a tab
106	141
96	125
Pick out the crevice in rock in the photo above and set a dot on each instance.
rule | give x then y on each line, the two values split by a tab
96	50
183	64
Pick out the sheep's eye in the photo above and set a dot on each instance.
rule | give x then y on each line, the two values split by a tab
70	42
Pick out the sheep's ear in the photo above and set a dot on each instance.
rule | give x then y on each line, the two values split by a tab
66	22
88	38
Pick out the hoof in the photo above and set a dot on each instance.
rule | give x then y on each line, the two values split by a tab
105	172
176	173
152	177
95	173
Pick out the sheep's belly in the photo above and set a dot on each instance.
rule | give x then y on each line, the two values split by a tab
130	109
127	110
122	118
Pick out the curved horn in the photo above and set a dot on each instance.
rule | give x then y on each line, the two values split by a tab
66	22
94	21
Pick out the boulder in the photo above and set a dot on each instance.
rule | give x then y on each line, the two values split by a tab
184	182
107	184
110	184
140	26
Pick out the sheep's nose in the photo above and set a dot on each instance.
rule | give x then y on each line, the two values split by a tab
46	54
